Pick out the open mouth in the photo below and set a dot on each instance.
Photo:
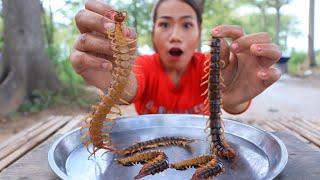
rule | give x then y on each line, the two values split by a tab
175	52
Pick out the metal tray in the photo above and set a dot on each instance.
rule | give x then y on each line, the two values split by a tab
261	155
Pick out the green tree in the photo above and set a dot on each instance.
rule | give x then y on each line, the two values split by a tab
277	4
26	64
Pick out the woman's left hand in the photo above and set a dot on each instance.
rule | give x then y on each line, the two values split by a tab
248	67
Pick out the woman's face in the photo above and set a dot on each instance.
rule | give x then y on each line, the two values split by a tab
176	34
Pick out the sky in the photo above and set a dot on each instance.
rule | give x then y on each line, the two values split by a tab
297	8
300	9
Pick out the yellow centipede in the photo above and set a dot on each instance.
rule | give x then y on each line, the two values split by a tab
100	122
211	169
156	165
154	143
193	162
139	158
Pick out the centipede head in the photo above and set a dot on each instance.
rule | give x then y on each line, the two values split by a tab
119	16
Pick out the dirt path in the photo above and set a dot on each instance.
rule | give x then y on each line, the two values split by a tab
290	96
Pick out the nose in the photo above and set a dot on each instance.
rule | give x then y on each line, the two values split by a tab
175	35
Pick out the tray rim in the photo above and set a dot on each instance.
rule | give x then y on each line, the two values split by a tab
274	173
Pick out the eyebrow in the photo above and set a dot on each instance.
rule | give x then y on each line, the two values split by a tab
183	17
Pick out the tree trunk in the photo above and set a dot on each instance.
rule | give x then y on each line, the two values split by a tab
27	66
201	6
277	4
311	54
278	20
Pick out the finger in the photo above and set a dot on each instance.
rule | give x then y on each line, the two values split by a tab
82	61
245	42
269	53
227	31
224	53
88	21
269	76
99	7
93	44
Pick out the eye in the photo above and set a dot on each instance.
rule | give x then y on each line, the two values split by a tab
187	25
164	24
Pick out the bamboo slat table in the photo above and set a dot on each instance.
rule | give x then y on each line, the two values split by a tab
303	162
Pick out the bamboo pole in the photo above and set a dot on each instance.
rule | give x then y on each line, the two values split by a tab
32	143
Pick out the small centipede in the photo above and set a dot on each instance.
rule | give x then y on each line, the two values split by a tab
193	162
99	122
154	143
218	143
156	165
140	158
211	169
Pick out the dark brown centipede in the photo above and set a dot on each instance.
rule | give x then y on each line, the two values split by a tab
213	105
194	162
157	165
140	158
154	143
212	169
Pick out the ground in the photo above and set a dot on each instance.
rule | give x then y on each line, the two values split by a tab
290	96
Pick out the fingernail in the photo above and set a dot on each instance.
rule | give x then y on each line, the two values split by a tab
258	48
262	74
109	26
111	15
216	31
105	65
235	47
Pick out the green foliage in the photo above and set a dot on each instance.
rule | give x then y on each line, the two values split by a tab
139	17
59	38
41	100
296	59
38	101
318	57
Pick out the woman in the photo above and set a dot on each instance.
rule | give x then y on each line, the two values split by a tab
169	81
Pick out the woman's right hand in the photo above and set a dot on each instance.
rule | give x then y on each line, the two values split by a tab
91	56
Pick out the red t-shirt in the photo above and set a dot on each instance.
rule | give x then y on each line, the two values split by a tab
157	93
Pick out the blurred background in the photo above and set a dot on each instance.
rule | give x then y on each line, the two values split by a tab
37	80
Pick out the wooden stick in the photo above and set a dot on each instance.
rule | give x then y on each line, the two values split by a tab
302	132
279	127
72	124
23	133
32	143
308	125
24	137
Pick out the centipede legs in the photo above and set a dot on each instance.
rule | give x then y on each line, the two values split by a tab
154	162
154	143
218	143
100	121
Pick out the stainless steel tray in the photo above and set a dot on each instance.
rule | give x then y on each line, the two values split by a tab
261	154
